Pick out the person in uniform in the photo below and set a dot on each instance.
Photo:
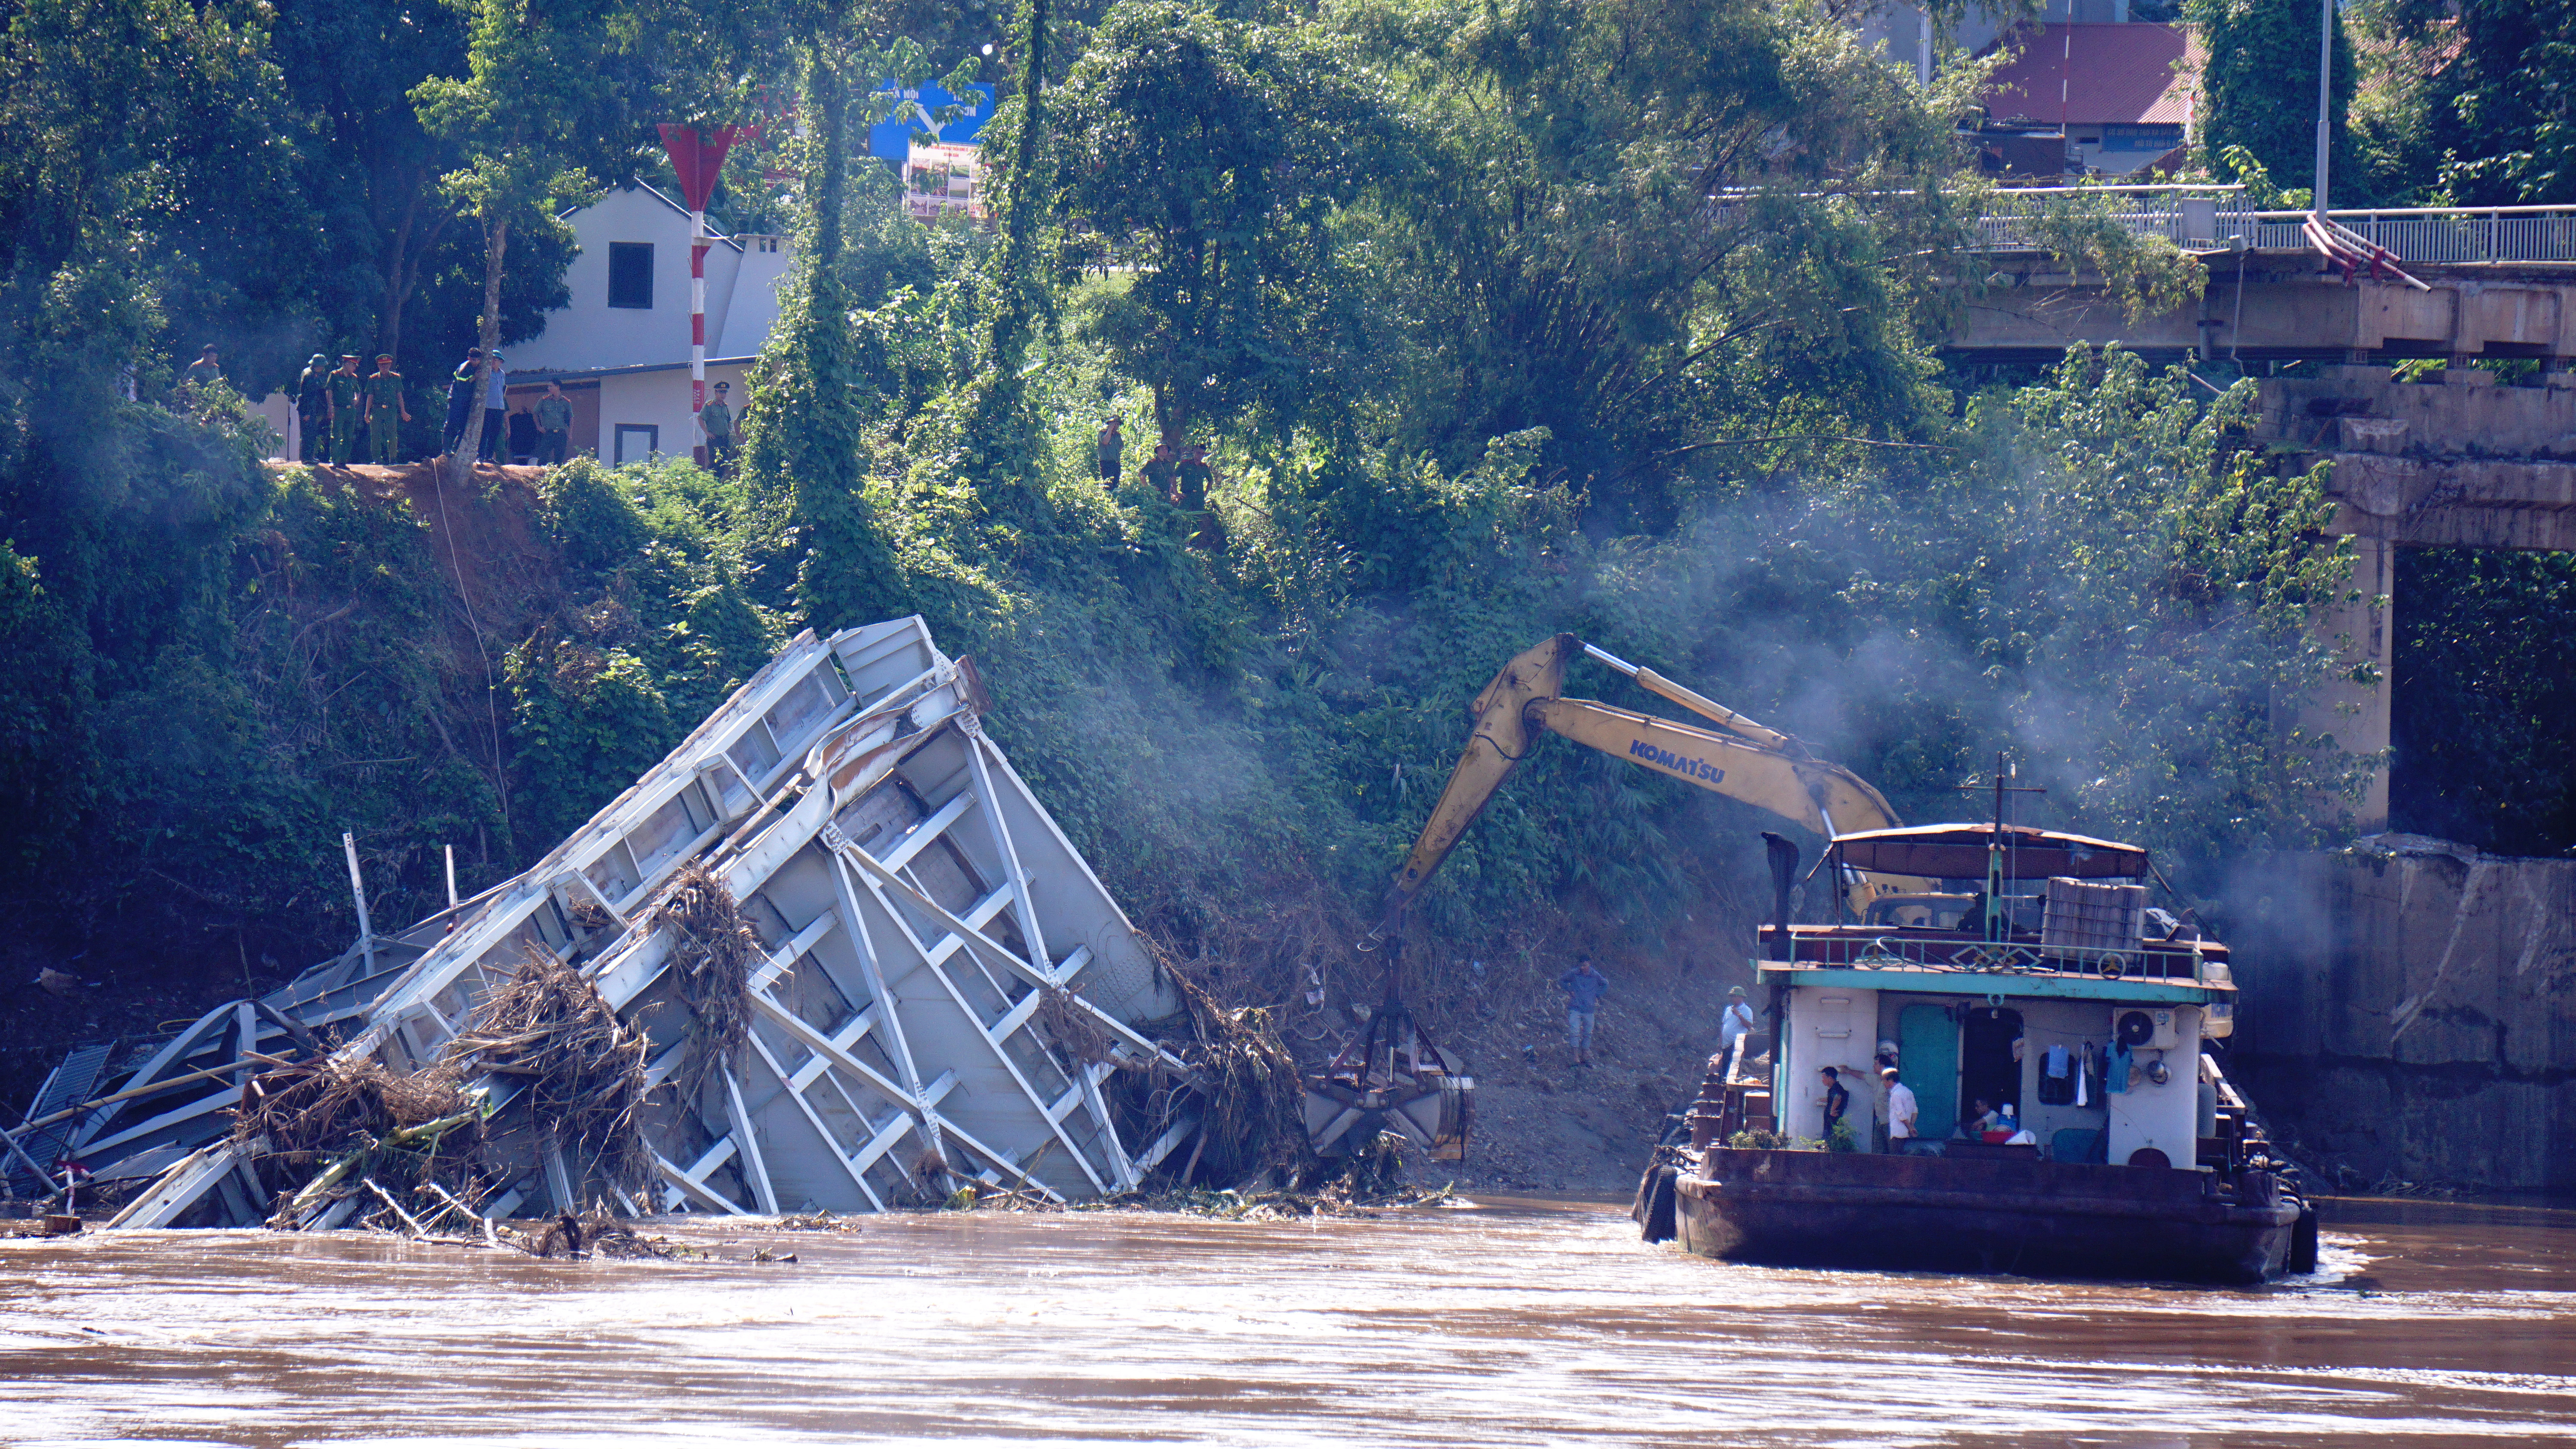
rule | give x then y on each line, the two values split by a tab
1157	473
312	408
1195	475
554	425
202	371
1113	451
386	411
717	418
346	388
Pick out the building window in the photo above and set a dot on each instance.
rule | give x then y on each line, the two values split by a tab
637	442
630	274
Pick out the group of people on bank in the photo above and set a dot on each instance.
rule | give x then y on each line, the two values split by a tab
1179	478
336	406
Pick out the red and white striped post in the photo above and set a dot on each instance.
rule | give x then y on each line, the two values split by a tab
697	160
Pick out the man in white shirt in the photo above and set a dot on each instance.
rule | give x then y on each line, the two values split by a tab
1901	1110
1737	1020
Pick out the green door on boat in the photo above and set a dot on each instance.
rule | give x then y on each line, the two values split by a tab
1927	1043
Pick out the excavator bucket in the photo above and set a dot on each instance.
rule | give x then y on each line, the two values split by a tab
1392	1079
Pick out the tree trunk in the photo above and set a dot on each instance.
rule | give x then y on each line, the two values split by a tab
496	246
402	266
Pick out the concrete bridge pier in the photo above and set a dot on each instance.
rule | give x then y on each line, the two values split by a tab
2458	462
2355	707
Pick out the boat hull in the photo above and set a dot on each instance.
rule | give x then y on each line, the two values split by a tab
1821	1209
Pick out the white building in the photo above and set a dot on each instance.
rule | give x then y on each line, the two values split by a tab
620	347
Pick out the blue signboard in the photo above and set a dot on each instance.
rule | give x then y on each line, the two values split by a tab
892	139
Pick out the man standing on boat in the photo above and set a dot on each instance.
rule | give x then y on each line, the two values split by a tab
1734	1023
1837	1100
1583	988
1902	1111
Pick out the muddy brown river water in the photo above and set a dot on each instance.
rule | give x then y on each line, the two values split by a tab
1509	1323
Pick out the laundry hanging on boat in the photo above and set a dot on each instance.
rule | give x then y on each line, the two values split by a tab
2056	1076
2083	1076
2117	1078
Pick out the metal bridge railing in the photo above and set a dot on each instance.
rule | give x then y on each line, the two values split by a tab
2201	218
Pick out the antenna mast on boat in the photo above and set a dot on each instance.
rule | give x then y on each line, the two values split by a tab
1998	923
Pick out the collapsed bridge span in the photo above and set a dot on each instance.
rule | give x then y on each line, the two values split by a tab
923	986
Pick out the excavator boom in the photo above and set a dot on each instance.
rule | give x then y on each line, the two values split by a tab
1747	761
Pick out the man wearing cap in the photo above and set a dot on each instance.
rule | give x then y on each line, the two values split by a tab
460	402
1734	1023
717	418
554	425
386	411
346	389
496	410
312	408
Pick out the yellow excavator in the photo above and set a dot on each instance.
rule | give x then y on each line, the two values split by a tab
1393	1078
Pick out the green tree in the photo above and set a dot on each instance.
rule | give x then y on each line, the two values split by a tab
2480	106
537	117
1213	153
2259	87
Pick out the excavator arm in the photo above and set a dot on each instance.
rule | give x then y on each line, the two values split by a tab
1741	759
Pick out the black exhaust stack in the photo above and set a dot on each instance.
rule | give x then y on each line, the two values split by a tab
1784	875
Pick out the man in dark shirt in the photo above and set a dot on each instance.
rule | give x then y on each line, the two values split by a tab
313	410
460	401
1837	1101
523	437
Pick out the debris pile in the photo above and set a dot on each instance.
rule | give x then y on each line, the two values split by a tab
828	956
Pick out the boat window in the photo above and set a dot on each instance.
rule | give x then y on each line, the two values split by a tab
1987	1067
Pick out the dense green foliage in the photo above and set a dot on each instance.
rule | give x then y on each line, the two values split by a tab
1501	319
2486	699
2470	103
2259	87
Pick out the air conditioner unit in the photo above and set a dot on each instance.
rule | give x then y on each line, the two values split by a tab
2145	1028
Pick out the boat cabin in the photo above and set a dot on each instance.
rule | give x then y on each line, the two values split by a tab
2016	967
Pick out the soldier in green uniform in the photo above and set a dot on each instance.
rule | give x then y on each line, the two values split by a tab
717	418
1158	473
202	372
312	408
386	410
1113	446
346	387
1194	475
554	425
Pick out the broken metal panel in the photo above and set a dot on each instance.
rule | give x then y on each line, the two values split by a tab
946	983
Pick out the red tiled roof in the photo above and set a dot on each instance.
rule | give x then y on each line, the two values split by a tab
2118	74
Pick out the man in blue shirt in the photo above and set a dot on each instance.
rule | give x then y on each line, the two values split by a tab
496	411
1583	988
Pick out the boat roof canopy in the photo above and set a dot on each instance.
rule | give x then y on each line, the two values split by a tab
1958	852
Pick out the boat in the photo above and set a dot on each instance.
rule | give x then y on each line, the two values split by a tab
2008	965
